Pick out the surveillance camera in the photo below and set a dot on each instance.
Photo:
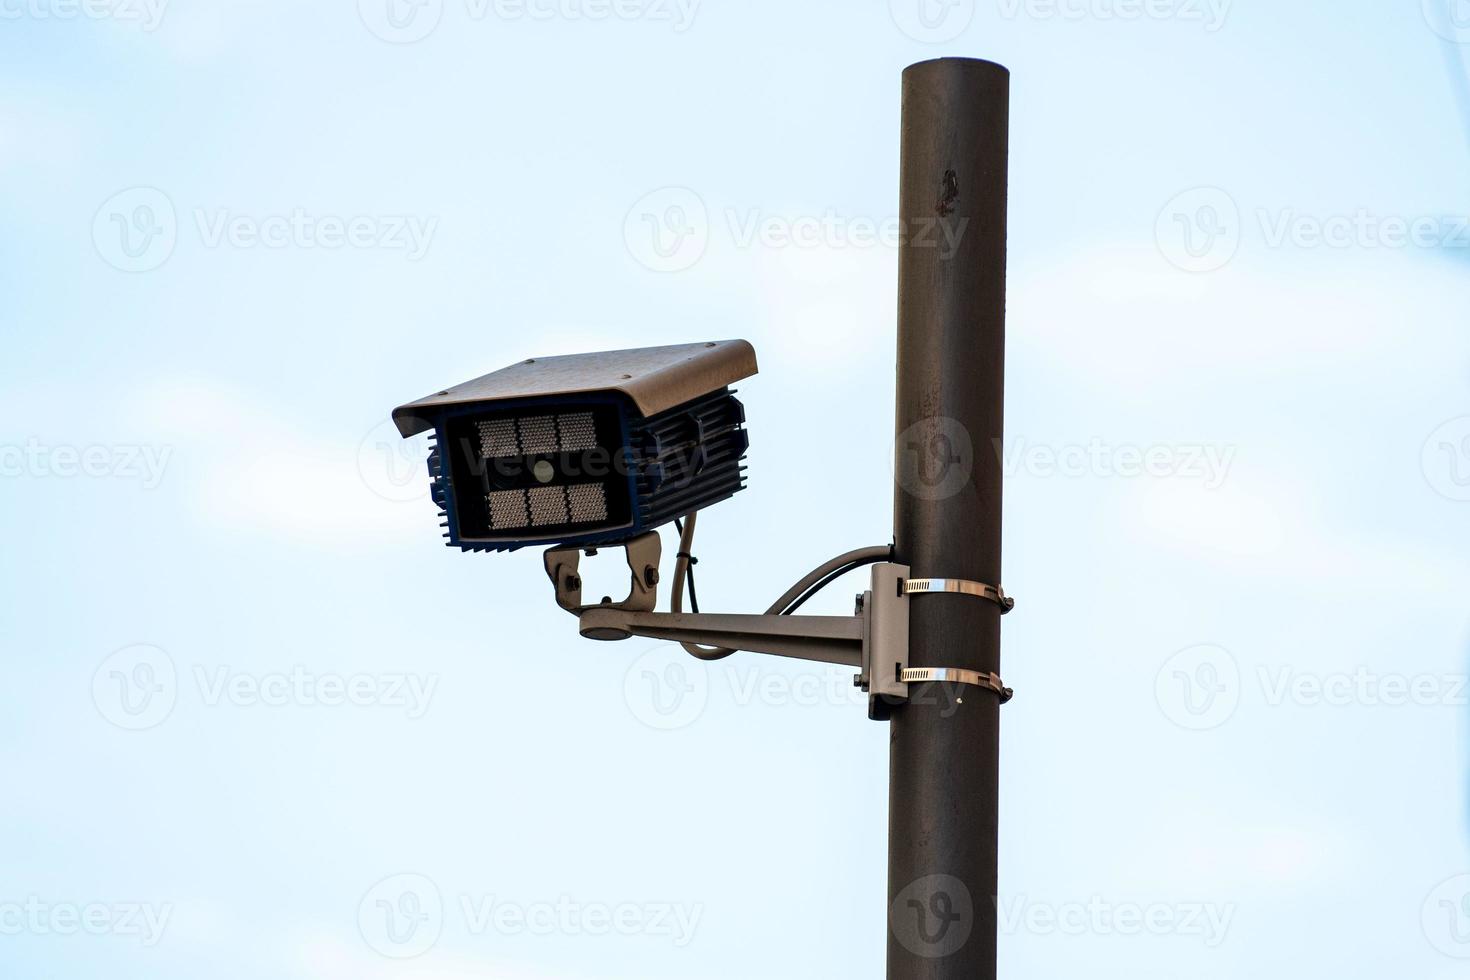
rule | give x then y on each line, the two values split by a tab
585	449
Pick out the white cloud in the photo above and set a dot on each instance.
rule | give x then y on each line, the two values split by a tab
1274	530
829	307
327	957
248	467
38	132
1124	314
1214	857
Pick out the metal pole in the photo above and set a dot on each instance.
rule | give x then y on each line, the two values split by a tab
945	743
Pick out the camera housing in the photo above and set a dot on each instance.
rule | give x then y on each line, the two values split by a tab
585	449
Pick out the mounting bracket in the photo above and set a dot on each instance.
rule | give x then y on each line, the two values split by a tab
643	554
875	639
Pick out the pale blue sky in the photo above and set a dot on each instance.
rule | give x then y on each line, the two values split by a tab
196	474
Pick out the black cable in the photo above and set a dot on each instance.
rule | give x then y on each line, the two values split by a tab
810	584
821	584
688	570
848	561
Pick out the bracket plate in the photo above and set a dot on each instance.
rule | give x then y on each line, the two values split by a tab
643	554
886	642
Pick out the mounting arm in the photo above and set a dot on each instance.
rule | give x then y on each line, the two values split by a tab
825	639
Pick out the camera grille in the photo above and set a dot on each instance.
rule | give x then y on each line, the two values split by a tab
537	435
508	509
548	506
587	502
578	432
581	503
498	439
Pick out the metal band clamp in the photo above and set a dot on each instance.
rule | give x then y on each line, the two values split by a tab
956	675
996	594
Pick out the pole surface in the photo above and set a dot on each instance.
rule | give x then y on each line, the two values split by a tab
945	742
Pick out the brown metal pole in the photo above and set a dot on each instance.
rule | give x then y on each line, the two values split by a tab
945	743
